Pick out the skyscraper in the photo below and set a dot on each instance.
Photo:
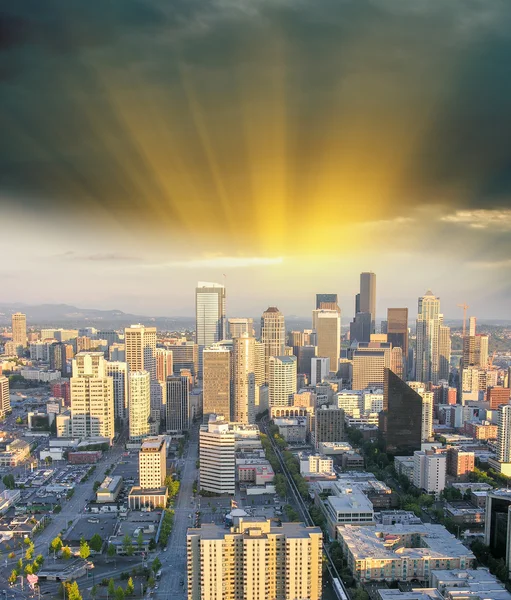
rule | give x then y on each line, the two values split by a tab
244	381
217	458
178	404
186	356
368	296
281	380
369	364
305	355
152	462
504	434
429	320
397	332
19	331
320	369
118	371
239	325
327	302
57	357
209	315
444	352
401	418
327	324
360	327
216	395
164	364
328	424
5	398
92	397
140	348
139	405
273	335
427	409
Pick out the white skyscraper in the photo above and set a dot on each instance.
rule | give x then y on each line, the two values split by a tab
504	434
281	380
320	369
5	399
429	321
273	335
244	378
139	404
140	348
327	324
217	459
118	371
19	331
427	409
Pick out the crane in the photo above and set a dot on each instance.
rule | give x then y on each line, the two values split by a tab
491	359
465	308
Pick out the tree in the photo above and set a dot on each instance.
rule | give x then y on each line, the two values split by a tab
84	549
96	486
280	485
66	552
156	564
13	576
96	542
111	588
56	544
29	569
152	545
110	550
73	591
8	481
140	541
119	593
151	581
94	592
127	545
130	588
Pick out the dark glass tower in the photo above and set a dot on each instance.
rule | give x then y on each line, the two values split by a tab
401	418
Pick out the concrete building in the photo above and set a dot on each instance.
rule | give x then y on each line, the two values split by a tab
92	397
433	342
118	371
164	364
369	364
139	405
152	462
502	461
238	326
209	315
328	425
109	489
185	355
5	398
497	395
315	464
460	462
327	324
292	429
281	380
467	584
216	376
320	369
140	349
178	404
117	353
19	332
497	526
246	392
401	552
429	470
273	336
217	457
255	560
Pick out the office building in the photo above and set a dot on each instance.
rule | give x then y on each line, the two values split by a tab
5	398
92	397
57	357
209	315
19	332
397	332
240	325
140	348
152	462
328	425
320	369
502	461
117	353
429	470
178	404
427	409
401	552
139	405
475	348
327	324
217	459
273	335
497	395
305	356
497	525
360	327
367	302
216	377
254	560
246	392
118	371
164	364
158	406
459	462
281	380
444	352
430	341
400	422
369	364
327	302
186	356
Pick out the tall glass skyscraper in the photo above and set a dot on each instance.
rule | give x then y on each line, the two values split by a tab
209	316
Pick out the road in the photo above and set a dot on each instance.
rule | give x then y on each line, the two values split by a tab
174	559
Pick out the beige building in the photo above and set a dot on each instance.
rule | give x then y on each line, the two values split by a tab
281	380
139	405
5	399
217	459
244	382
92	397
240	325
118	371
273	335
164	364
140	348
327	324
427	409
255	560
19	330
259	364
216	376
369	366
152	462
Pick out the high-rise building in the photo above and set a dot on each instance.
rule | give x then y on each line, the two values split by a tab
475	348
158	406
360	327
429	470
305	356
397	332
368	297
152	462
58	358
259	364
244	382
240	325
327	324
164	364
92	397
320	369
210	316
273	335
328	424
140	347
429	321
118	371
497	525
504	434
139	404
19	331
327	301
401	419
117	353
444	352
186	356
281	380
178	404
460	462
217	458
369	364
427	409
216	395
255	560
498	395
5	398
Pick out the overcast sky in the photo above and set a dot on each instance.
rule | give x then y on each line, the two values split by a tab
287	145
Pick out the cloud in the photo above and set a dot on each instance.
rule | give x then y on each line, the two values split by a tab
100	257
495	264
222	262
499	219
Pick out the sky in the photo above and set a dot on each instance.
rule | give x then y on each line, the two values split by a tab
278	146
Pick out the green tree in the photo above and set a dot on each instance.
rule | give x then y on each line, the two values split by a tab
151	581
156	564
13	576
119	593
29	553
29	569
96	486
280	485
111	588
73	591
8	481
127	545
140	541
96	542
111	550
66	552
130	588
94	592
358	594
84	549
